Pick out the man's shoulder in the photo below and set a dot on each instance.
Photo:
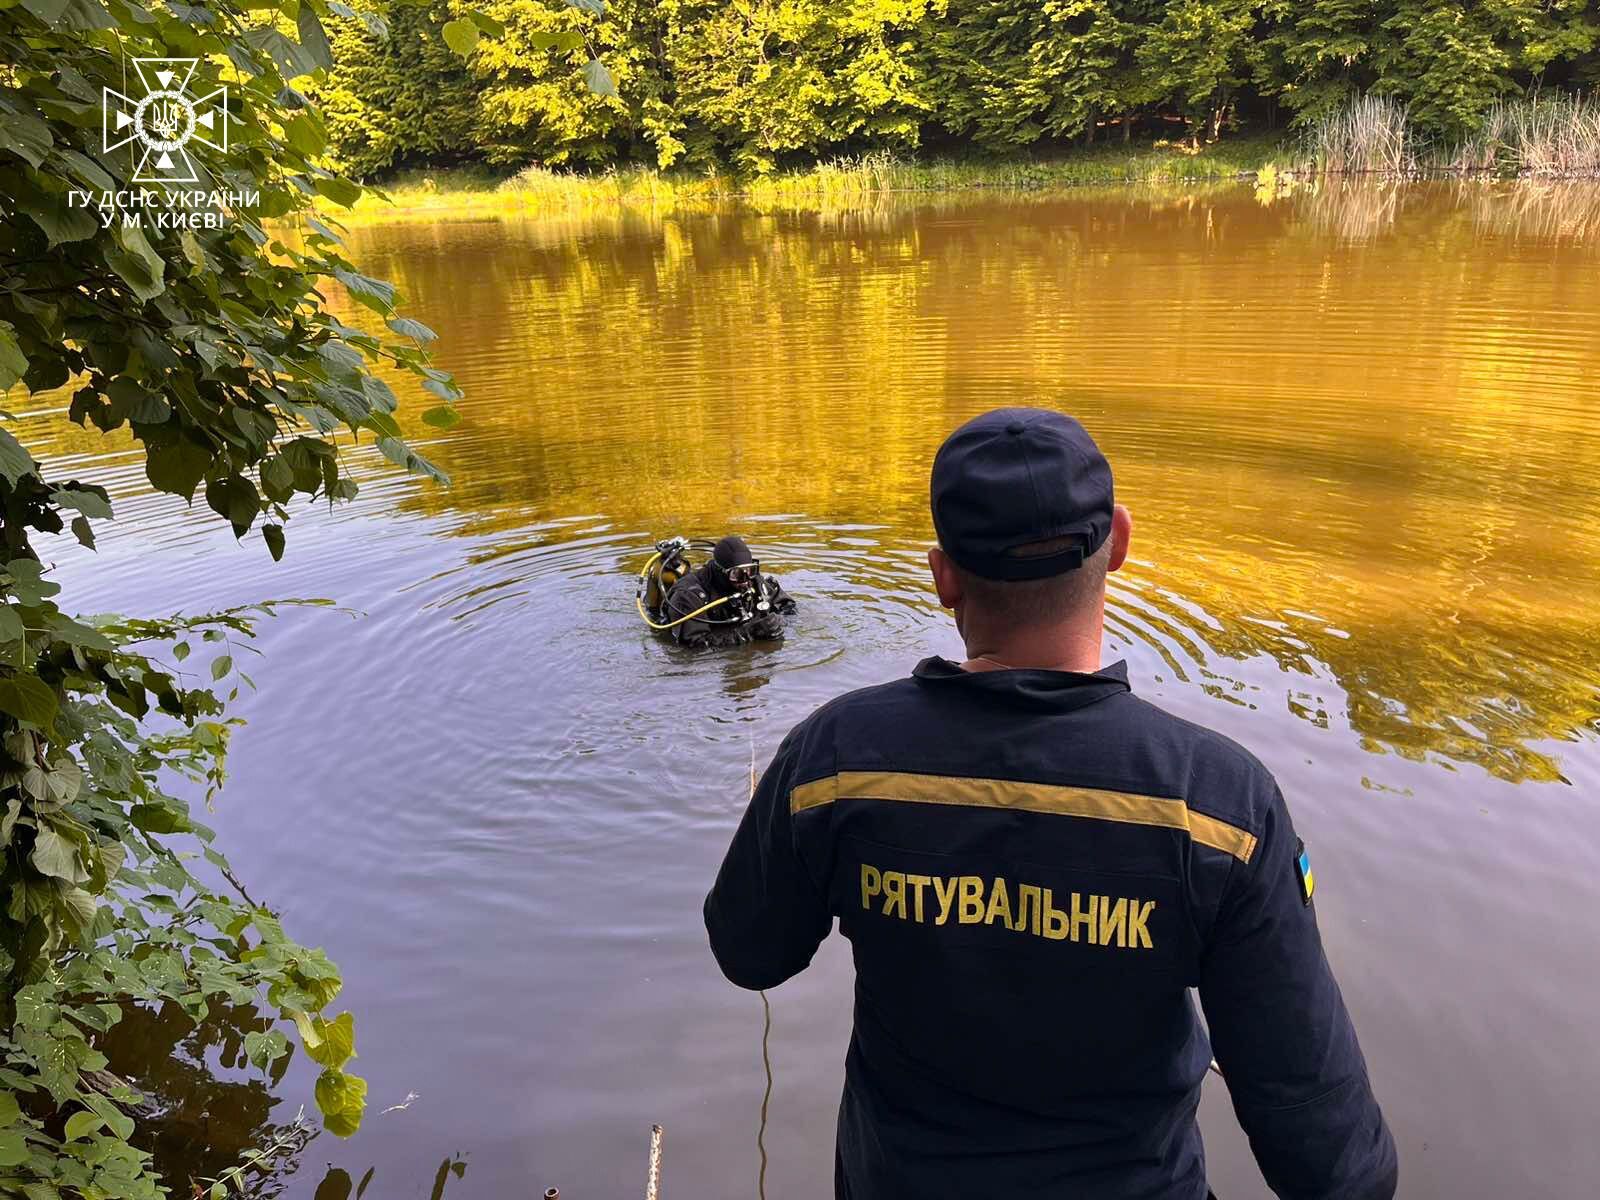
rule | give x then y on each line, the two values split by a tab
1207	769
853	716
874	701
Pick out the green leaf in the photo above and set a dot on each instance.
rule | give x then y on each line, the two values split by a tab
461	35
221	665
15	462
90	504
336	1044
9	1110
374	293
313	38
598	78
28	698
81	1123
273	534
36	1006
563	43
177	467
11	628
61	223
339	190
235	498
406	327
291	59
137	262
158	818
55	856
48	11
25	136
13	1150
82	531
442	417
303	133
121	1124
13	363
342	1099
310	1035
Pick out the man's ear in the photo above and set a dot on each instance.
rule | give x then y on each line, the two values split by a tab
946	579
1121	535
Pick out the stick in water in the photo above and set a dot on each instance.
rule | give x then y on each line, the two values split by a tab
652	1187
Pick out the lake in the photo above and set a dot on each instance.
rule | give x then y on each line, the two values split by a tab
1354	426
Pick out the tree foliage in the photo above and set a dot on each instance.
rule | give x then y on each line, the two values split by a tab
191	321
756	83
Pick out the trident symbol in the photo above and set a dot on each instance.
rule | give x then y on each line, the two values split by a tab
166	118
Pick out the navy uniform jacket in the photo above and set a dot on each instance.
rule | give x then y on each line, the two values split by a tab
1033	867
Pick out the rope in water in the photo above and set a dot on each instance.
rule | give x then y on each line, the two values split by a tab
766	1099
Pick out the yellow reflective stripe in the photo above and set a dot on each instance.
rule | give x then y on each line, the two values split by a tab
1129	808
1219	835
814	794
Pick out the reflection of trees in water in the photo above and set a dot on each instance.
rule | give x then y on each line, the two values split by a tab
205	1107
338	1185
1368	403
1309	404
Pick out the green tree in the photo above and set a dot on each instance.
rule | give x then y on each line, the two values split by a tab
1450	62
757	80
396	94
1009	72
200	332
1200	55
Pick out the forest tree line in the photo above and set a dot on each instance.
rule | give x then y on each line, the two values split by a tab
757	84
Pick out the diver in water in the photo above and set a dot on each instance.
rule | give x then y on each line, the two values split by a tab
751	603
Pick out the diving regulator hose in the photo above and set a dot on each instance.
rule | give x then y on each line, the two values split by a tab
638	600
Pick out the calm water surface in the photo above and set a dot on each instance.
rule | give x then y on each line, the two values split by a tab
1355	430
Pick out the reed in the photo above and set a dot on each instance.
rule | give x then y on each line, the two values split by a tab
1372	135
1544	137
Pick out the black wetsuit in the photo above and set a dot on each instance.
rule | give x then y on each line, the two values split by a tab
700	587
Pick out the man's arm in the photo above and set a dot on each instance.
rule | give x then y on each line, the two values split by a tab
1283	1039
765	915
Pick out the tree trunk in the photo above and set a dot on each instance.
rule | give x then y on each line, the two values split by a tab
1088	129
1127	127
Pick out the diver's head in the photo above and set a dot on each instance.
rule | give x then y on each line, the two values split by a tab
733	567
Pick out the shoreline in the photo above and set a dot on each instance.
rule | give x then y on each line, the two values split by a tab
472	193
468	193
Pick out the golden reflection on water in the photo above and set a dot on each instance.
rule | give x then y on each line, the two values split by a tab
1353	424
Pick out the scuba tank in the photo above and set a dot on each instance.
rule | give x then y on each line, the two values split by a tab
669	567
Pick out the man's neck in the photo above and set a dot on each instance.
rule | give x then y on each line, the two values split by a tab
1053	650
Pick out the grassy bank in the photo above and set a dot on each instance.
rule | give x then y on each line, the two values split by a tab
1538	138
537	191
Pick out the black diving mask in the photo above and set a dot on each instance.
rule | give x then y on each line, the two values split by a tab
744	574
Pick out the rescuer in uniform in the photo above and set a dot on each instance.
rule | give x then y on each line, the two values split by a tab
730	571
1033	866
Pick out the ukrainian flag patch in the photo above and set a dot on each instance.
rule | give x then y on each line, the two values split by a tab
1302	870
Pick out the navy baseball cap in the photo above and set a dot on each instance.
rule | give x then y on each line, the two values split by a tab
1015	476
